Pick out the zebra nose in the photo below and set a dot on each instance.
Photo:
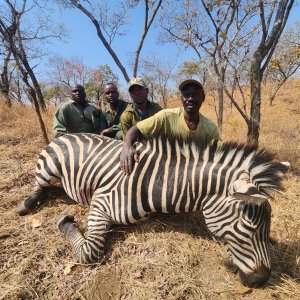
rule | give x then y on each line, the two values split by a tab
256	279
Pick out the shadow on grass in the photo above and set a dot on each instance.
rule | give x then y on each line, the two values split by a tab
191	223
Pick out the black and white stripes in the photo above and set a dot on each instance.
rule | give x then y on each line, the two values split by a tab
228	182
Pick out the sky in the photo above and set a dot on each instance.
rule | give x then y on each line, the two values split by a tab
83	43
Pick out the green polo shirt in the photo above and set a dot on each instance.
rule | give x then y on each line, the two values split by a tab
71	117
131	116
113	119
171	123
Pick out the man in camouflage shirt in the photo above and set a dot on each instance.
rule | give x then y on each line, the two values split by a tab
141	108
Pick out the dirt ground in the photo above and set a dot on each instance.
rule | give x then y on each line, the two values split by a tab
166	257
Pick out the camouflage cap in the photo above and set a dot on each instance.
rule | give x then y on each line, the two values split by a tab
188	81
136	81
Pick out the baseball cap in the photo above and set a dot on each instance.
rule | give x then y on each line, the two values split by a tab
136	81
188	81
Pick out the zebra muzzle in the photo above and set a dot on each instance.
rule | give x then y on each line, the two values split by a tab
256	279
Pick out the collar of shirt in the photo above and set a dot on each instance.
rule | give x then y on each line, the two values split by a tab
185	124
108	108
76	103
142	115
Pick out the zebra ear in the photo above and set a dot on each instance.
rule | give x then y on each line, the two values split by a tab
247	191
254	199
283	167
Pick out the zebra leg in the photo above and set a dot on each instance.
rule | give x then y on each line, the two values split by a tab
35	199
91	249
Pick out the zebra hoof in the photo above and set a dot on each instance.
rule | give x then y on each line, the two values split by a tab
64	223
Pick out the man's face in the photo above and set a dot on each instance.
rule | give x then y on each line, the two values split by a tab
78	93
111	94
192	98
138	94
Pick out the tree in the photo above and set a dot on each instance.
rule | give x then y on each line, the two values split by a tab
18	37
4	78
231	45
109	25
273	18
66	72
225	33
285	61
96	84
69	71
157	75
192	69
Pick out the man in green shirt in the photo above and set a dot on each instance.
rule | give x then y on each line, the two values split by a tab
141	108
78	115
113	111
186	123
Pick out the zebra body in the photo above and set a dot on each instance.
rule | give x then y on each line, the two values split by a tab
229	183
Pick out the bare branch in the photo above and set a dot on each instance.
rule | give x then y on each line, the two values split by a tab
146	29
102	37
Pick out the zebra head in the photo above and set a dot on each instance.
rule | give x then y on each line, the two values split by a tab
244	217
249	246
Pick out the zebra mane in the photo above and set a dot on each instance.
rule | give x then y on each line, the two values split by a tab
261	164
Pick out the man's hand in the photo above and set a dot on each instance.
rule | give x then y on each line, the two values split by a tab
128	156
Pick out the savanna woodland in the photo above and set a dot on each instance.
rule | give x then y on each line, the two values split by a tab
246	54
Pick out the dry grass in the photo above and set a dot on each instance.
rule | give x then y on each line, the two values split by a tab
167	257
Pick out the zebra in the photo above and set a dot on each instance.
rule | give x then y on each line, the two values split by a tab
229	183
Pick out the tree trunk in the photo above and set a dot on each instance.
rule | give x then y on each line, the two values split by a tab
38	113
32	96
4	84
6	98
255	96
220	103
102	38
271	99
34	81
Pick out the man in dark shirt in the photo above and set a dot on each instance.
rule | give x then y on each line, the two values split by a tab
78	115
113	111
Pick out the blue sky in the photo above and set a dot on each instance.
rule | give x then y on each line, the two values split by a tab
84	44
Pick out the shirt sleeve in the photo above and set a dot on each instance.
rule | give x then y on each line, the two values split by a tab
214	135
126	122
102	122
152	126
60	124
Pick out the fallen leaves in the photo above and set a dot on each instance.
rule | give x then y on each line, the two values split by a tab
243	290
69	268
36	223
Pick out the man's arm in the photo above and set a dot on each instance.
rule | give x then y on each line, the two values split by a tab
102	122
129	153
126	122
111	131
59	125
